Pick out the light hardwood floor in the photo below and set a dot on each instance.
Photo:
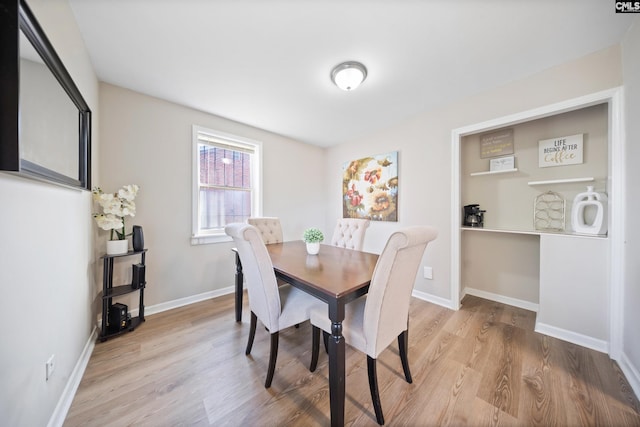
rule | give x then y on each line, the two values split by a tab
480	366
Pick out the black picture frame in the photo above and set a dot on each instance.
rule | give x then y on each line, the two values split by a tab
15	18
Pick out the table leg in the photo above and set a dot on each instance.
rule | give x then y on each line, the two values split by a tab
336	365
239	280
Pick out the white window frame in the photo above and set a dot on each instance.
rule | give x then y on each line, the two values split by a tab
198	236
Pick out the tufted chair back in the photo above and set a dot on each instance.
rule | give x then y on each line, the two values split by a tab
269	228
277	307
349	233
372	322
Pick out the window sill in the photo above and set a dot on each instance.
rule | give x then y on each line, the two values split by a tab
207	239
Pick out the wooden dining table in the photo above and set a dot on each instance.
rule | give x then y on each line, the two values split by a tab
336	276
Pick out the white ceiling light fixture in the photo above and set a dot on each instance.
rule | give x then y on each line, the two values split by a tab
348	75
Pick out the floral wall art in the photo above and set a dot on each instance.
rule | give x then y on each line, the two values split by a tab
370	188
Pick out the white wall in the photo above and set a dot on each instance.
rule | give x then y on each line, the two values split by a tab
425	155
631	339
147	141
46	261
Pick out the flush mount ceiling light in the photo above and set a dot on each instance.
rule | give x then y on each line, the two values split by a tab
348	75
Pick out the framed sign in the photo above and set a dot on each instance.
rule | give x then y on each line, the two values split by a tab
502	164
561	151
496	144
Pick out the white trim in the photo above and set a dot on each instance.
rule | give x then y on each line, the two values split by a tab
210	238
69	392
456	221
616	222
433	299
573	337
561	181
527	305
494	172
631	373
170	305
197	237
614	98
533	232
177	303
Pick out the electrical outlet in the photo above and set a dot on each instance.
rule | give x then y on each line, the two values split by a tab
51	366
428	273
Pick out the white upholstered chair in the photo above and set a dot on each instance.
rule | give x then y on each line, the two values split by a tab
269	228
373	321
349	233
277	307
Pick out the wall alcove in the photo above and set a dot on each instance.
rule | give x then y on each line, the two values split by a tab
510	226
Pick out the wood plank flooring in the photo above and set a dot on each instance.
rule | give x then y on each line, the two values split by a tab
480	366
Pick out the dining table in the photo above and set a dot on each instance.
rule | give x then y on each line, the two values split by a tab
336	276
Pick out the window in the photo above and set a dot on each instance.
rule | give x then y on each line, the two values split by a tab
226	183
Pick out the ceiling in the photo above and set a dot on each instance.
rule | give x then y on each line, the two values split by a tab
267	63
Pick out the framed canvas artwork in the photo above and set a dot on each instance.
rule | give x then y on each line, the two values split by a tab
370	188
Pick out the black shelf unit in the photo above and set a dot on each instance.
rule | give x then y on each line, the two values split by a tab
109	292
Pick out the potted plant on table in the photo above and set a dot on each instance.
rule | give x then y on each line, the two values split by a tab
115	207
312	237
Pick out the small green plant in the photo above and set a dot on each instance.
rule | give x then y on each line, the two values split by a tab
312	235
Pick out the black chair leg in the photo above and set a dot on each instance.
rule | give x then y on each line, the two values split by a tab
252	333
325	338
272	359
315	347
373	387
403	346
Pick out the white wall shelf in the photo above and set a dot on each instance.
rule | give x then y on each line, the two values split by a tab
561	181
534	232
494	172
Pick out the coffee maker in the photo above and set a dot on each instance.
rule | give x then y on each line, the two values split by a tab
473	216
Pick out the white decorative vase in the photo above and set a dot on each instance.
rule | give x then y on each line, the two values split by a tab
313	248
589	213
117	247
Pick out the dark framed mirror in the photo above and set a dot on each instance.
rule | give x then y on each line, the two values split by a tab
45	123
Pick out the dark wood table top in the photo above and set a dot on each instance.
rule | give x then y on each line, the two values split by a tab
333	273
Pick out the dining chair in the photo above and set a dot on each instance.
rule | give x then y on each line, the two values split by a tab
373	321
269	227
277	307
349	233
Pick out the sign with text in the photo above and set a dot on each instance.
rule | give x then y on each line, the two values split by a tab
501	164
562	151
496	144
627	6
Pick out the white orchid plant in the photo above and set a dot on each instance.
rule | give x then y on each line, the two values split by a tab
115	207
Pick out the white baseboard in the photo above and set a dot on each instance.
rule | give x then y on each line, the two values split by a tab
631	372
573	337
527	305
433	299
170	305
552	331
159	308
69	392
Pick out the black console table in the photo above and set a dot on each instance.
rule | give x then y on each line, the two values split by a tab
114	322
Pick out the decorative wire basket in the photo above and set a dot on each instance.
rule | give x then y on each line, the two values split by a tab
548	212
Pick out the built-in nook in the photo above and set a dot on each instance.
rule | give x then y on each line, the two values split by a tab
544	266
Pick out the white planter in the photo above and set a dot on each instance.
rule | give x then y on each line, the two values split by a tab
117	247
313	248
